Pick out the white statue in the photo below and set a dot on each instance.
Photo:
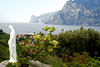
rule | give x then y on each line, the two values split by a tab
12	45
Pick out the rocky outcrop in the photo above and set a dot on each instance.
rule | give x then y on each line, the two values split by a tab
37	64
75	13
42	18
4	63
31	62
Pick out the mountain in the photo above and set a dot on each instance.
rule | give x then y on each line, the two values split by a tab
78	12
42	18
88	4
74	12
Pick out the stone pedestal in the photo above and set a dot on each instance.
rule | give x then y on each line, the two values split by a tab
37	64
4	63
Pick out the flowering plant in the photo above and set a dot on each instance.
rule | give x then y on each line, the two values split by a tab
26	52
43	45
46	43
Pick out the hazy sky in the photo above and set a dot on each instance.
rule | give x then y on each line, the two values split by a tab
22	10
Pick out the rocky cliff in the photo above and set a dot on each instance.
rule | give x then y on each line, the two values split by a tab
42	18
74	12
78	12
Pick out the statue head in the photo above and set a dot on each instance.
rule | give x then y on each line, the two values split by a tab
10	27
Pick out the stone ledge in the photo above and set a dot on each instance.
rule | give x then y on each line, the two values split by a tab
37	64
31	62
4	63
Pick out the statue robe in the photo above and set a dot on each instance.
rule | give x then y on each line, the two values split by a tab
12	45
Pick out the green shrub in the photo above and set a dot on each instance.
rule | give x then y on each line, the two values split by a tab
4	51
77	60
26	53
11	65
43	46
70	49
79	41
54	61
46	43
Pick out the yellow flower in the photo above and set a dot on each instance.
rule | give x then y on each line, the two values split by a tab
35	39
44	39
50	50
49	38
52	29
38	36
54	42
54	46
46	28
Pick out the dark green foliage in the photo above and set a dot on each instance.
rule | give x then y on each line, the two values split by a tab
1	31
26	40
10	65
79	41
4	51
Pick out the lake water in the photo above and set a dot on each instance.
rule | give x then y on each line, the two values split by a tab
22	28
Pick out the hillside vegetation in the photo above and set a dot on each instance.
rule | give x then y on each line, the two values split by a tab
79	41
77	48
4	52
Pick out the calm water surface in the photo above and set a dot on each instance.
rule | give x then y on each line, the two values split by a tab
22	28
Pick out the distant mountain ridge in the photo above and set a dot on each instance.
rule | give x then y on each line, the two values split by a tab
43	18
77	12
